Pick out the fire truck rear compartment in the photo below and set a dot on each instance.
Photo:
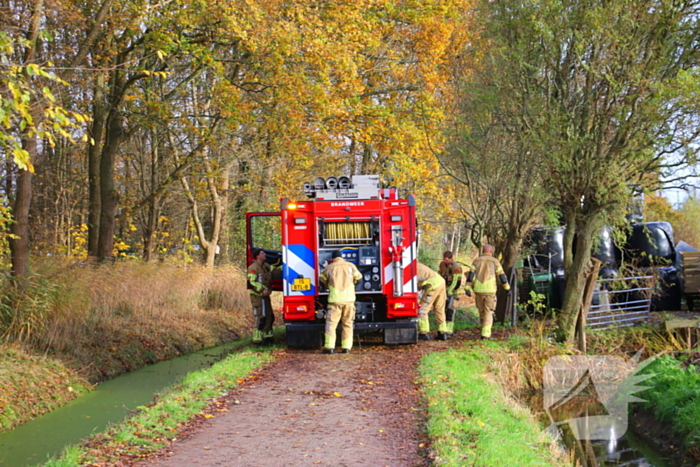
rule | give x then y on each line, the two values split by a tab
358	242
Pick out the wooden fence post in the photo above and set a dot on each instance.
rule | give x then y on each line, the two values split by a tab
588	290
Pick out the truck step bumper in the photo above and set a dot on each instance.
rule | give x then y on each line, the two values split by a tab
311	334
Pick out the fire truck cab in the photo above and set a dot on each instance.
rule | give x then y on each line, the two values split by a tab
372	228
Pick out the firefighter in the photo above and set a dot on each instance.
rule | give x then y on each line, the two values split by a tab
482	280
340	276
260	280
433	297
452	273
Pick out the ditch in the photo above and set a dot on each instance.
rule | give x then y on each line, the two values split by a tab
37	440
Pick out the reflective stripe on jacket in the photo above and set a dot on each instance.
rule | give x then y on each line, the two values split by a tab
486	270
452	274
341	277
260	278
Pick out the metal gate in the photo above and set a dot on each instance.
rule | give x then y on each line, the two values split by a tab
622	301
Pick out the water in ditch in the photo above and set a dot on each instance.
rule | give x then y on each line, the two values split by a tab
36	441
597	440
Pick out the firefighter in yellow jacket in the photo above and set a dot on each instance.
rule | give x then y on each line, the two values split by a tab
433	298
260	280
451	271
340	276
482	280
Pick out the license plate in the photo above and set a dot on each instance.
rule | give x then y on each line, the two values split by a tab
301	285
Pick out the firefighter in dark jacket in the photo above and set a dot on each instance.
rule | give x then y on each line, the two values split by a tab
260	280
451	271
482	279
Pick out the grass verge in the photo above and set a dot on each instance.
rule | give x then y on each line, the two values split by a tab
472	422
155	426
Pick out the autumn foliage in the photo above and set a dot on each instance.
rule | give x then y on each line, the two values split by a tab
199	111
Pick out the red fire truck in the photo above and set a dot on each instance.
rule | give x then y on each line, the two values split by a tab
372	228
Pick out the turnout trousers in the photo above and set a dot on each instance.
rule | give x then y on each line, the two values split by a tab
343	313
263	316
433	300
450	314
486	304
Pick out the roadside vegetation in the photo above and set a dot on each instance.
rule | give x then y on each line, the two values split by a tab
472	421
477	396
674	397
71	325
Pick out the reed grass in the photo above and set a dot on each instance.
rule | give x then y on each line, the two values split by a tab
60	304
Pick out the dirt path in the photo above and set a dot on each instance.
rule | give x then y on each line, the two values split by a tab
306	409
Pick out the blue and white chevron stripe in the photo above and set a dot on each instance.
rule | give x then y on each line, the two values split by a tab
298	262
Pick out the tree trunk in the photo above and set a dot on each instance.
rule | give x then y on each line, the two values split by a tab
109	197
218	206
94	150
459	240
575	276
222	239
510	256
151	224
19	243
149	230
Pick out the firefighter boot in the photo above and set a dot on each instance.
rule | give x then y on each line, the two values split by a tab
441	336
257	337
424	336
326	350
450	322
345	351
